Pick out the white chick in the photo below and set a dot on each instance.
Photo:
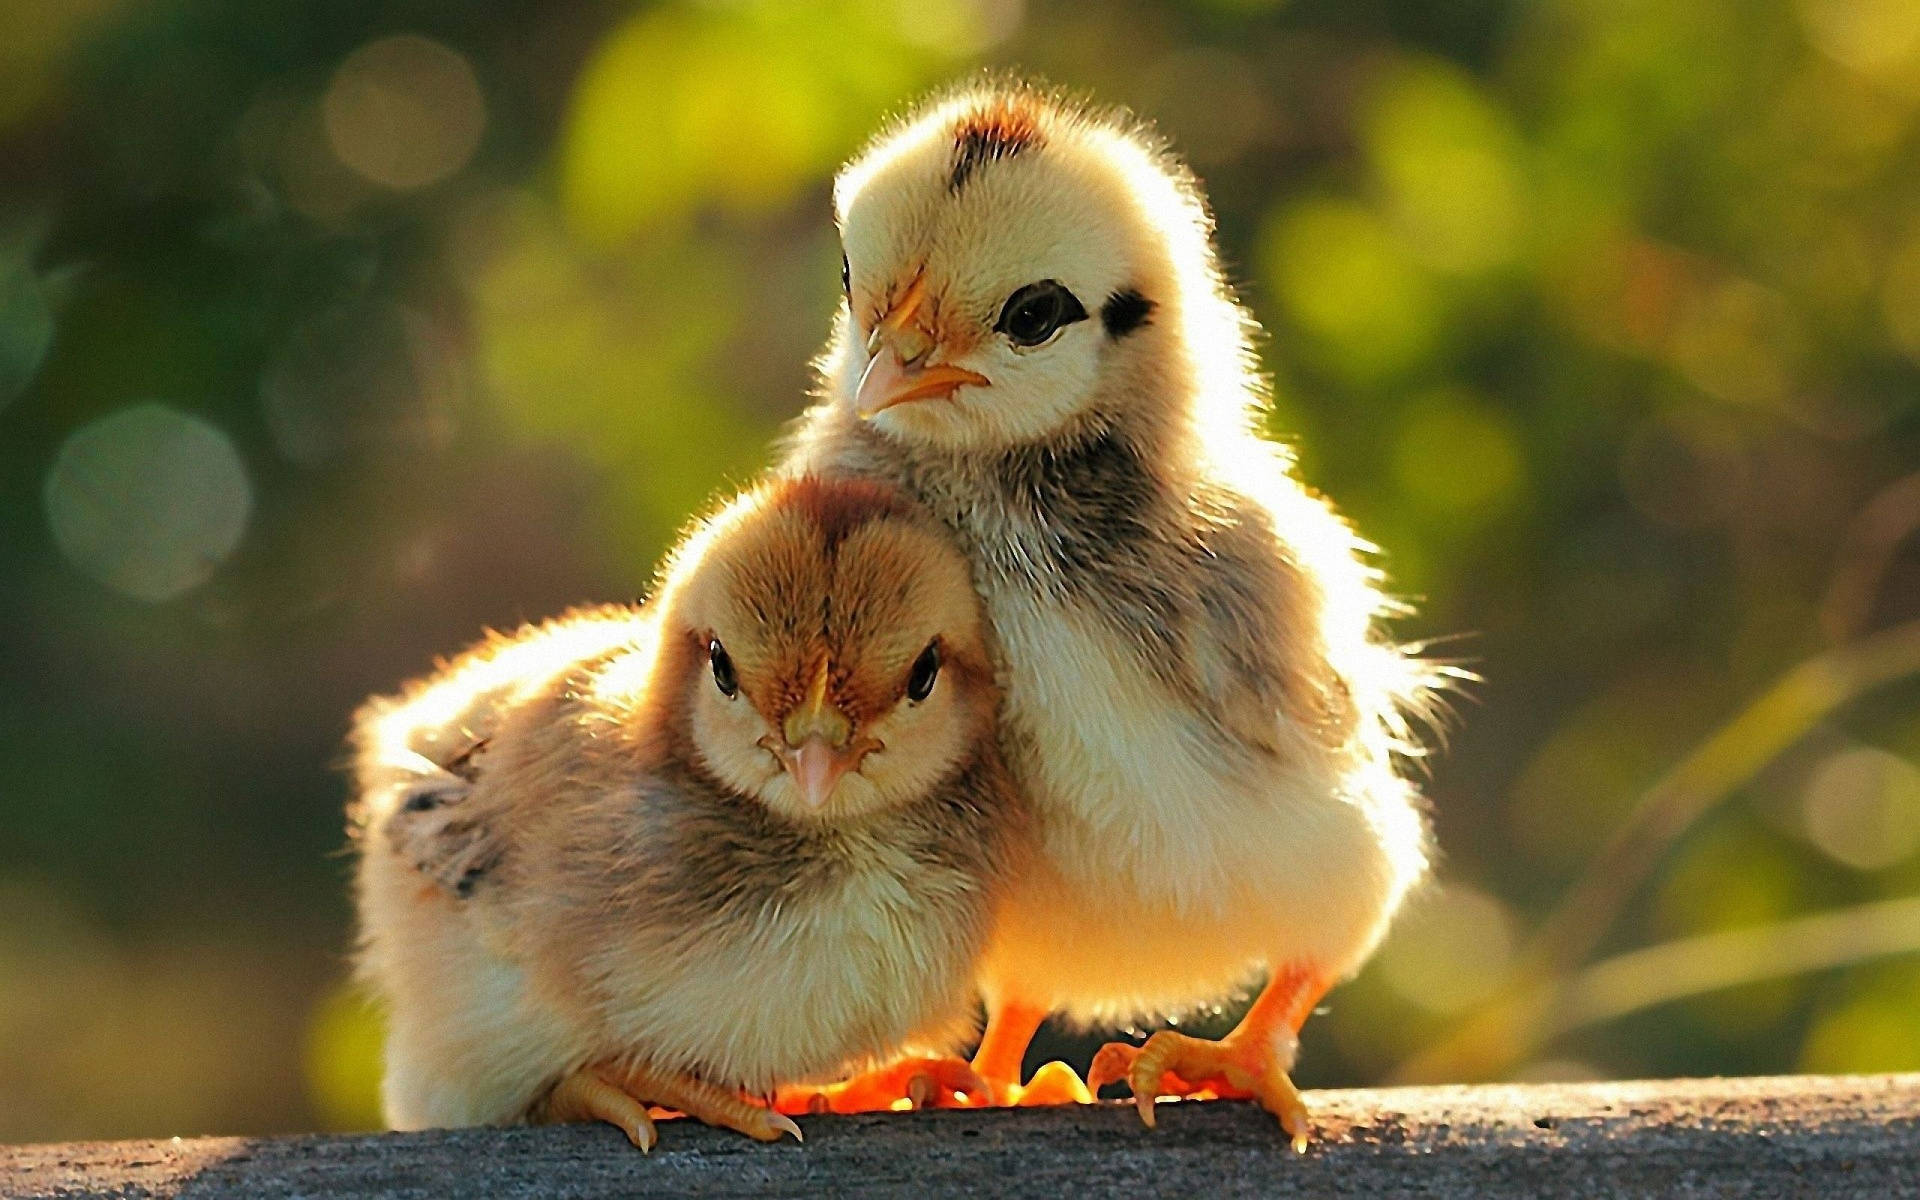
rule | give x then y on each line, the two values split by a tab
1038	345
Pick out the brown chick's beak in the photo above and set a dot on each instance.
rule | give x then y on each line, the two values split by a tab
816	769
819	746
897	367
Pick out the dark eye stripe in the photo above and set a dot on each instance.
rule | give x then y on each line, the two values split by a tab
1125	311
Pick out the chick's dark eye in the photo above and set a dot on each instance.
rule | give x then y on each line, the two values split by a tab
723	676
1033	313
846	277
926	669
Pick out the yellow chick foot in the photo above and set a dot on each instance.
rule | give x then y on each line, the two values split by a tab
1053	1083
1175	1064
621	1098
909	1083
586	1095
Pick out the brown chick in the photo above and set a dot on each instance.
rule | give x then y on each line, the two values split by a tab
750	836
1037	344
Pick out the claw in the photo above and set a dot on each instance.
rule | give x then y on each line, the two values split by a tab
641	1085
785	1124
586	1095
1175	1064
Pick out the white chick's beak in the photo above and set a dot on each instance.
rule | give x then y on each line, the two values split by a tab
819	746
897	367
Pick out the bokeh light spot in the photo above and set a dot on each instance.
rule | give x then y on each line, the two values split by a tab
343	1054
1456	456
1448	159
37	36
404	112
1871	36
1869	1033
1862	808
738	105
1731	877
618	368
1449	950
958	26
148	501
1740	342
1352	285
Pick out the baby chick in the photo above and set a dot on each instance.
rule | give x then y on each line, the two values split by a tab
749	836
1037	344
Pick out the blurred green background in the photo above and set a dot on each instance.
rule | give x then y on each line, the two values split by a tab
332	332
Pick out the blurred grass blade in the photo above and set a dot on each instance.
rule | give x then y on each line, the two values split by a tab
1508	1029
1674	970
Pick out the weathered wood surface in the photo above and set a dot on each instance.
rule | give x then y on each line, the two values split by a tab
1809	1136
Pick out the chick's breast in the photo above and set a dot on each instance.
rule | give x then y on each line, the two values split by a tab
726	943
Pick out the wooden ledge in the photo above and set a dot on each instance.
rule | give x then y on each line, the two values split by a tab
1792	1136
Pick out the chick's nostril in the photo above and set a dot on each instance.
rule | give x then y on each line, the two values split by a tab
815	716
828	725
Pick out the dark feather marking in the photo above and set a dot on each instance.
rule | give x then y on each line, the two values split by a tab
1125	311
1003	129
454	851
1088	523
708	861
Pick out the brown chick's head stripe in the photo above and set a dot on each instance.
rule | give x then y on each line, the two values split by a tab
839	507
1002	127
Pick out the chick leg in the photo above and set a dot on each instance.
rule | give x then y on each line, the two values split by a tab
586	1095
1252	1061
1010	1028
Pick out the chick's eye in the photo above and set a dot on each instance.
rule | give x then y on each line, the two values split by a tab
723	676
1033	313
926	669
846	277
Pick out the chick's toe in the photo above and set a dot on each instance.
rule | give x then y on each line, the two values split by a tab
1054	1083
907	1083
586	1095
1249	1063
707	1102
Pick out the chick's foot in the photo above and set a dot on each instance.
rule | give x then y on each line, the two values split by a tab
1175	1064
622	1096
913	1082
1249	1063
586	1095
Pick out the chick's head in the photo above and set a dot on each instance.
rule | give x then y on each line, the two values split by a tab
1017	267
831	648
